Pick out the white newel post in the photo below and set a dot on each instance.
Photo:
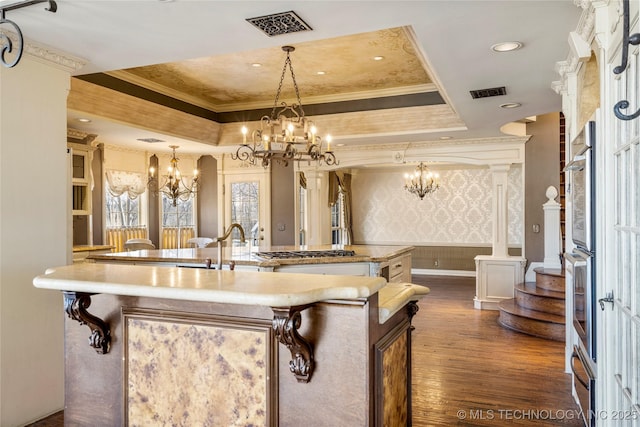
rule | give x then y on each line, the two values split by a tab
552	235
498	274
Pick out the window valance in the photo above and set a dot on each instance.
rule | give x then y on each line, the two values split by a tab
133	184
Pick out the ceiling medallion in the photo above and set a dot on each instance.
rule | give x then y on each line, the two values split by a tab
286	134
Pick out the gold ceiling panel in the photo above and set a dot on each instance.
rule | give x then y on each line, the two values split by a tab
231	83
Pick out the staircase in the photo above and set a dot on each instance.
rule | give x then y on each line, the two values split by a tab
538	307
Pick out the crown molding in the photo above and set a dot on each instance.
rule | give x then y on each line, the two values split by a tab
54	57
436	144
578	41
76	135
47	54
230	107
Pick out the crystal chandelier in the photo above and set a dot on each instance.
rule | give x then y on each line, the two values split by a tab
286	134
421	182
173	184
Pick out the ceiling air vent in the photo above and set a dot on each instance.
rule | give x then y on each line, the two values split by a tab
486	93
280	23
150	140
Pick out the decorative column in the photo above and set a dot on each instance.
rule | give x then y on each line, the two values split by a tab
498	274
318	212
499	179
552	234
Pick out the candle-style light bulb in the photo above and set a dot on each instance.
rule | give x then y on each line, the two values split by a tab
244	131
290	128
313	134
329	143
152	171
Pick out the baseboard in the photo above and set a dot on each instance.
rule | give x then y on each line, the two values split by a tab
428	272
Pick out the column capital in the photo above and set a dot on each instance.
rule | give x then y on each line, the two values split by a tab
500	168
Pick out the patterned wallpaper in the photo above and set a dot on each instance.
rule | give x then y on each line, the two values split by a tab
458	213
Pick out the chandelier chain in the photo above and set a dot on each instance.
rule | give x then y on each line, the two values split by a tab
288	62
286	134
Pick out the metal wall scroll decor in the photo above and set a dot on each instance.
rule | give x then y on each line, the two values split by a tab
633	39
6	45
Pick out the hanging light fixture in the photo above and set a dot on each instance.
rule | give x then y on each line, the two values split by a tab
173	184
421	182
286	134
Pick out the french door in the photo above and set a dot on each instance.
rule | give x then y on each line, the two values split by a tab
246	198
618	254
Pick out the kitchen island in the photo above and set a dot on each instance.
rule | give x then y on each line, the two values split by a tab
391	262
190	346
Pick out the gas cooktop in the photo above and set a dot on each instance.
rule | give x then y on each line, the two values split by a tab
305	254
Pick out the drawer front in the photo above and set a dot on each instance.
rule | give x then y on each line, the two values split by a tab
400	269
396	267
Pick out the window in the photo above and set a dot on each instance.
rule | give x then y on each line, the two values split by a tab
178	222
245	209
125	215
122	211
180	215
123	207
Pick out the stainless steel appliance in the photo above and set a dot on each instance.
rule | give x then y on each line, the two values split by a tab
582	188
584	383
581	267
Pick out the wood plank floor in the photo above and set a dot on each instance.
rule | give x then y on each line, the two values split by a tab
469	371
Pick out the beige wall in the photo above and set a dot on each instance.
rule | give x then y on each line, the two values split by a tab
459	213
542	169
34	235
283	194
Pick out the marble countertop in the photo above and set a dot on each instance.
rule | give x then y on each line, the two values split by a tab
247	255
222	286
394	296
90	248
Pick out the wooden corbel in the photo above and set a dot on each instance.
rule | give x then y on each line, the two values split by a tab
286	321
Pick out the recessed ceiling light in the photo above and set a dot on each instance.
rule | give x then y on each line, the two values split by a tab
83	120
378	58
445	137
320	73
506	46
256	65
510	105
340	144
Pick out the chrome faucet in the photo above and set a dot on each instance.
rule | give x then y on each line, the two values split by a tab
226	235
